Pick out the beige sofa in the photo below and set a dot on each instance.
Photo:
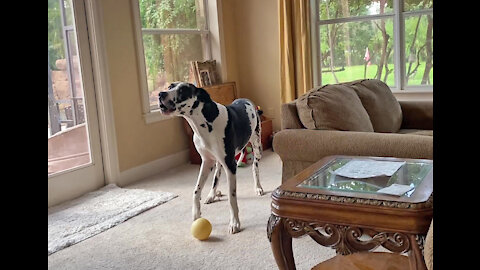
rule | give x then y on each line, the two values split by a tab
355	118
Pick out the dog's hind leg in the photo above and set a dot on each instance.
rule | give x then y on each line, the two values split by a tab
257	155
242	154
216	177
205	169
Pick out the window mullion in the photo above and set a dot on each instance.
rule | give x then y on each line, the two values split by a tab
356	19
207	52
173	31
315	41
416	12
399	43
207	33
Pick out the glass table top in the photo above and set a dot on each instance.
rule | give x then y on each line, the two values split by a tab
411	173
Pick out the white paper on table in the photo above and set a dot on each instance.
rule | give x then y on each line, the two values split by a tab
395	189
368	168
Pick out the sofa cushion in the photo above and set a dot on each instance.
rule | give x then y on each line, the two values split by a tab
417	114
290	118
380	103
424	132
333	107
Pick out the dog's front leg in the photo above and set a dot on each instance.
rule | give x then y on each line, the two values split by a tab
234	225
205	169
216	177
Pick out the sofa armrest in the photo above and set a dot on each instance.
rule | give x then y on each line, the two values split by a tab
417	114
311	145
290	119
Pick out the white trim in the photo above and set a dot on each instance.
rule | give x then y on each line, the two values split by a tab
214	17
412	91
399	38
221	34
207	52
403	95
154	167
315	41
103	91
70	156
155	31
155	116
356	18
428	11
140	57
418	87
69	170
376	16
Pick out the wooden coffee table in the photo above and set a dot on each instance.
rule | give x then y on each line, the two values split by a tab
348	214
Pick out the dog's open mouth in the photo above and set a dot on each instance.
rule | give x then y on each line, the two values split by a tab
165	109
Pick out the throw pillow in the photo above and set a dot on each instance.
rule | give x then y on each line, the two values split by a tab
333	107
380	103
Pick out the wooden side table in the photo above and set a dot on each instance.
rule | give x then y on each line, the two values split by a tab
311	204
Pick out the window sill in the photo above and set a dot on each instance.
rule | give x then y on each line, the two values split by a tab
413	91
155	116
413	94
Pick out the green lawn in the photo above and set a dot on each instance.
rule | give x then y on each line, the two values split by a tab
356	72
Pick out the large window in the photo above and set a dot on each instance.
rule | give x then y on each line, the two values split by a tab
390	40
172	33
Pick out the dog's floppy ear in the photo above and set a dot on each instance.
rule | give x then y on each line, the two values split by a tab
172	85
202	95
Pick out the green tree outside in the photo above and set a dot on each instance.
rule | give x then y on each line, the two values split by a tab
55	36
167	57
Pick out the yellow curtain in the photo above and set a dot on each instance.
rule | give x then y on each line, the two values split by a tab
295	48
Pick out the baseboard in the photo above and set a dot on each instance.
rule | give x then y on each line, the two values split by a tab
154	167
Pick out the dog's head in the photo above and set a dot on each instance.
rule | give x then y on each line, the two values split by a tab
181	97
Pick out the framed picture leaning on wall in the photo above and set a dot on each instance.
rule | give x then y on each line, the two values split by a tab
205	72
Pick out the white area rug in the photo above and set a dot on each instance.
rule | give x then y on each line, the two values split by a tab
97	211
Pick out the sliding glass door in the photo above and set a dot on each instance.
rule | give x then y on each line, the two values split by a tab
74	150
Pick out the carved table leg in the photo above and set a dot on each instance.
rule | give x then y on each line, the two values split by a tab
281	243
415	254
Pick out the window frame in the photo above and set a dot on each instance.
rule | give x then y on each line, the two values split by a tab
150	115
398	16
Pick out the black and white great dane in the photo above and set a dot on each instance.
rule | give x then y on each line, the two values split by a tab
220	133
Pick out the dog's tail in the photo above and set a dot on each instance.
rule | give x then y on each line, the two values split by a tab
259	111
257	138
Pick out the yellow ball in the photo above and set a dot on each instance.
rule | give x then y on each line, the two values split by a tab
201	228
